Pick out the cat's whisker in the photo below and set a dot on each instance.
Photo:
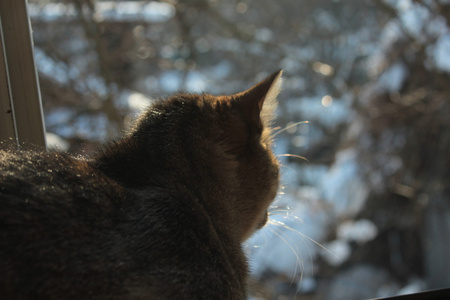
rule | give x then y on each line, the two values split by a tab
275	206
299	264
288	214
276	226
287	211
279	223
283	214
298	219
279	208
288	127
293	155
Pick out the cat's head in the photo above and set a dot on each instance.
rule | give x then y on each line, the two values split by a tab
259	172
219	146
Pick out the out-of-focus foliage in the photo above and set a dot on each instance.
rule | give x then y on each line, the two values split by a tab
370	77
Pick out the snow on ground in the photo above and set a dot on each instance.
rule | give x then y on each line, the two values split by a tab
441	53
392	78
360	231
342	186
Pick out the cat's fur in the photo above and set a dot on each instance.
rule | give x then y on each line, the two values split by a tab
158	214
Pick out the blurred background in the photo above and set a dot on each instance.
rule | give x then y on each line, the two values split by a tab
363	122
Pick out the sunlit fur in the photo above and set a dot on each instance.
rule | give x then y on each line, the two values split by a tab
160	213
270	102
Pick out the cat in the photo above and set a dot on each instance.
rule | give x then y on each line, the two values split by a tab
158	214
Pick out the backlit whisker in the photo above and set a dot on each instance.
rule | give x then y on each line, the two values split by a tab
279	234
279	223
290	126
293	155
287	211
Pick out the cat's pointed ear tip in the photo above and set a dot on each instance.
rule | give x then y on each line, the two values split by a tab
277	75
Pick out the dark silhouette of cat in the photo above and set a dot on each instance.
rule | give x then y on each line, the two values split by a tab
158	214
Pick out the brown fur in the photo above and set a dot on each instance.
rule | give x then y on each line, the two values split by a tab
158	214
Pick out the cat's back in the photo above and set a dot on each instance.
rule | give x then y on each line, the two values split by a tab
52	189
42	176
54	212
70	232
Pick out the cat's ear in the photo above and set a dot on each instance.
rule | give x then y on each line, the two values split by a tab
260	101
